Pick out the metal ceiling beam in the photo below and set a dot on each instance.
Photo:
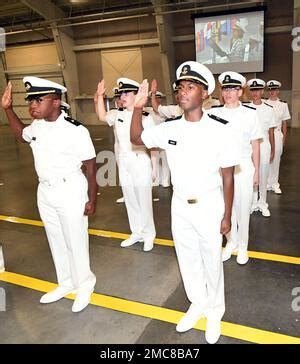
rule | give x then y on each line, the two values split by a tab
164	25
45	8
64	42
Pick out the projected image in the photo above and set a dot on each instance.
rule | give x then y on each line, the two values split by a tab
231	42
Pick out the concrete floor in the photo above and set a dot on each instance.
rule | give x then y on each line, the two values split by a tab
258	295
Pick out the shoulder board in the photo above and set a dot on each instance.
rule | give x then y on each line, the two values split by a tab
120	108
249	107
268	105
246	102
113	108
220	120
265	98
215	98
217	106
172	119
145	113
72	121
283	101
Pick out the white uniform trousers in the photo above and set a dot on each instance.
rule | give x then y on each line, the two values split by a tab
162	170
2	266
264	167
116	147
242	202
61	204
273	180
136	181
198	244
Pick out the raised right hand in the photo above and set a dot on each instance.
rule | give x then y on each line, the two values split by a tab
100	89
141	97
153	87
7	97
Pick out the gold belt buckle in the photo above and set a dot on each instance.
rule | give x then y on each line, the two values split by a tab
192	200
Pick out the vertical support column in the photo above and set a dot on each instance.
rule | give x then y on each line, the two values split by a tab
3	83
64	45
296	69
164	31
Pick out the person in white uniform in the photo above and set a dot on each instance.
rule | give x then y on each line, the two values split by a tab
135	170
166	111
210	102
244	122
60	146
198	147
163	172
109	116
267	121
283	115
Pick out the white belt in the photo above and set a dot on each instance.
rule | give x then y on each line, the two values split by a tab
61	179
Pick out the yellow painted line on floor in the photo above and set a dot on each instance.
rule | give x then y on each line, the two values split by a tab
111	234
235	331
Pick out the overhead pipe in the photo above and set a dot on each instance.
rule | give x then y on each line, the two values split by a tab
125	17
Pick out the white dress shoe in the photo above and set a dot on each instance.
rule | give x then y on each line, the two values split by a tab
228	250
148	245
120	200
83	298
213	330
57	294
130	241
242	257
265	212
189	320
277	190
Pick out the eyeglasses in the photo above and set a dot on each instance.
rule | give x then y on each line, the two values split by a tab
230	89
38	100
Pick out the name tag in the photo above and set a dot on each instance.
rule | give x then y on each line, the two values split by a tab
173	142
121	120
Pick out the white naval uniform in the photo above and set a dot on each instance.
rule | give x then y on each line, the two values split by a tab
195	152
282	113
243	121
267	119
162	170
110	118
170	111
59	147
167	112
237	51
135	174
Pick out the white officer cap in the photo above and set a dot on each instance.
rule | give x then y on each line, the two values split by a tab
116	92
125	84
256	83
196	72
157	94
36	87
64	106
273	84
232	79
